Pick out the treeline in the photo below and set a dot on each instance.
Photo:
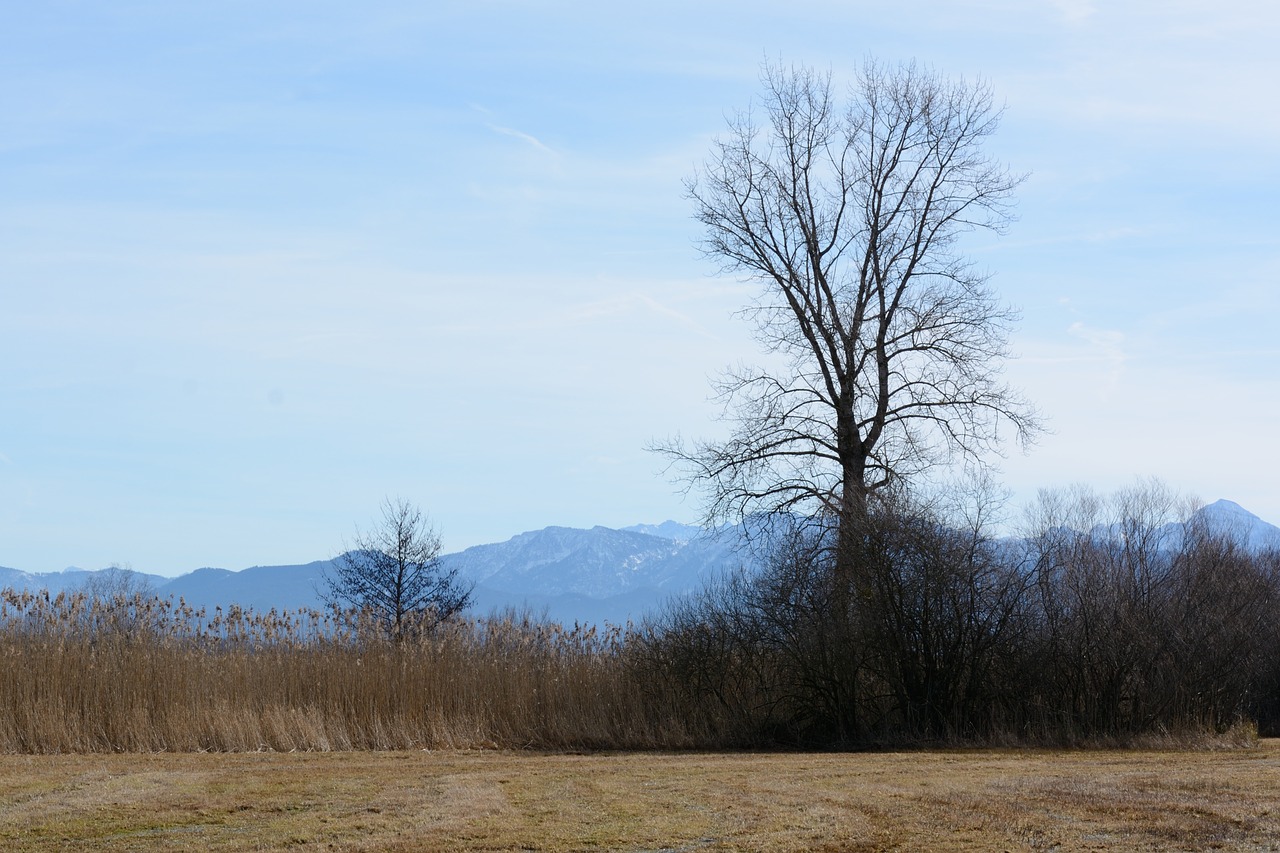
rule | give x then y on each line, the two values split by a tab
1111	621
1105	624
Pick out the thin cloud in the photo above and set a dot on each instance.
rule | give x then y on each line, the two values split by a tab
522	136
527	138
679	316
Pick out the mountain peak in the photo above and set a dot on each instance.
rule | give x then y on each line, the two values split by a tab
1222	506
1228	517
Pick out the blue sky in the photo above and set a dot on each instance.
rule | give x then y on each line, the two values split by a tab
263	264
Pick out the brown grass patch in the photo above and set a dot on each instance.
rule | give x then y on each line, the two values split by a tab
978	800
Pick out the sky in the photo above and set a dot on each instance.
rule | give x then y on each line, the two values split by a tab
263	265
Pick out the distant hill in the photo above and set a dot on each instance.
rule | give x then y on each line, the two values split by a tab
571	575
64	581
258	587
568	574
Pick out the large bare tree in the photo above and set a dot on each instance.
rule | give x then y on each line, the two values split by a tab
848	213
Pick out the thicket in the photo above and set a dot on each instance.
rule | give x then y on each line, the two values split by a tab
1104	624
1111	621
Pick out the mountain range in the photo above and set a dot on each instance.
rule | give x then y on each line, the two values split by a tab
567	574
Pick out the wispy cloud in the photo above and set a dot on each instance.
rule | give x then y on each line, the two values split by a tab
501	129
522	136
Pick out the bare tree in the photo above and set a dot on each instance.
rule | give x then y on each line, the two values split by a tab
848	215
121	600
395	573
117	582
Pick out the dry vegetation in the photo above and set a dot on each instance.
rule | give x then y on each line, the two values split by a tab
761	665
137	674
980	800
950	639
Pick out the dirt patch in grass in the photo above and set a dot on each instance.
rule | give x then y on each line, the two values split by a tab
980	800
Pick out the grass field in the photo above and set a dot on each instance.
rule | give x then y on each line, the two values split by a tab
980	800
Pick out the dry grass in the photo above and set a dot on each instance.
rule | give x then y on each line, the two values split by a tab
980	800
144	675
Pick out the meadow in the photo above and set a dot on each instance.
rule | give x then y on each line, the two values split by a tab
461	800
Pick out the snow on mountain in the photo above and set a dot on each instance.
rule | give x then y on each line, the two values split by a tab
594	575
597	563
668	530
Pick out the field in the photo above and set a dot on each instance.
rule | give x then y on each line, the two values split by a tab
977	800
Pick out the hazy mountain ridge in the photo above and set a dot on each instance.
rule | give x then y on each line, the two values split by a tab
598	563
570	574
1222	517
595	575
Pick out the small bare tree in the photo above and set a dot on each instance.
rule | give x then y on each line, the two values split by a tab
117	582
394	572
121	600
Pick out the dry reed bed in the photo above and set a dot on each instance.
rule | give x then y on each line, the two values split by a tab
141	675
